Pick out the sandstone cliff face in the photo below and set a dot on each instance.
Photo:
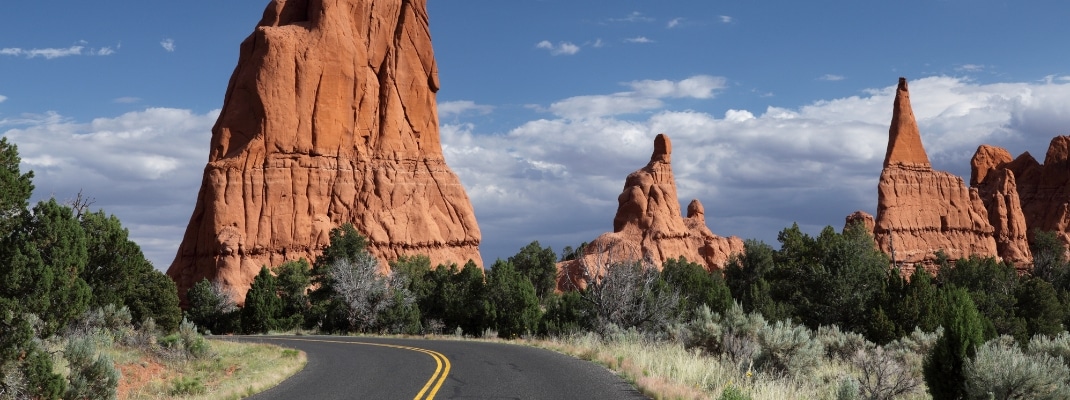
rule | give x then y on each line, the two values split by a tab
649	225
330	117
920	210
1043	189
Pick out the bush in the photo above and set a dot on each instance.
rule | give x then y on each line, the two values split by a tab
788	348
90	377
885	374
185	386
841	345
1001	370
735	334
1058	346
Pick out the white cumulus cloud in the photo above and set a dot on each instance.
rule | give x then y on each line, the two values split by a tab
52	53
2	98
725	19
562	48
646	95
168	44
144	167
831	78
639	39
675	22
452	108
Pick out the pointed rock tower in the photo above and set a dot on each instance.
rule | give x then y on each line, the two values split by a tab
330	117
649	225
919	210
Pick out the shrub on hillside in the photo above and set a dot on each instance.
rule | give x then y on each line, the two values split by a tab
1001	370
788	348
92	374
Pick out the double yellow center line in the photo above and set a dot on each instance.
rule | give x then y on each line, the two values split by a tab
442	364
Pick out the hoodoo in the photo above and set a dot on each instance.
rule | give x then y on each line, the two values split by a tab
650	226
330	117
920	210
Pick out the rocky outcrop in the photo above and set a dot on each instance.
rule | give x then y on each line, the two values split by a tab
920	210
649	225
999	192
1043	189
860	217
329	117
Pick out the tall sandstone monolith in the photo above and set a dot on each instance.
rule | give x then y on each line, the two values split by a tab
649	226
330	117
920	210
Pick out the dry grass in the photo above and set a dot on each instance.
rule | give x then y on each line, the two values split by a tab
665	370
232	371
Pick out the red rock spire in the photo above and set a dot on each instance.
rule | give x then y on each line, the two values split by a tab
904	139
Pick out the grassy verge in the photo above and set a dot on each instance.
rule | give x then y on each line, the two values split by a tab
231	371
665	370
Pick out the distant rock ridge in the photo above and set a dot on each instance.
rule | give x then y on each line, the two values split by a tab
329	117
649	225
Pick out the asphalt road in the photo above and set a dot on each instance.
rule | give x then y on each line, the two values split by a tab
342	367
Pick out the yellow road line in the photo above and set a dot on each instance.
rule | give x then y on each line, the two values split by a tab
442	364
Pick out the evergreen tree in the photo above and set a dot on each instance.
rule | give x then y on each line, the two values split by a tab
514	300
293	279
538	265
41	263
697	286
745	276
1039	308
15	187
992	287
211	309
262	304
943	368
118	273
1049	259
565	314
157	298
923	303
467	303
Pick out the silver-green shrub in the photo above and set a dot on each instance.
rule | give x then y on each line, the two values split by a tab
92	376
1058	346
788	348
1000	369
841	345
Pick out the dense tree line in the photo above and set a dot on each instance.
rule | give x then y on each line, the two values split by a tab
57	261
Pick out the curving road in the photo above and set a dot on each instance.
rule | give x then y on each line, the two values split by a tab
342	367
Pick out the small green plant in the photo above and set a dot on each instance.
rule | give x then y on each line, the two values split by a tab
848	389
290	353
733	393
90	377
185	385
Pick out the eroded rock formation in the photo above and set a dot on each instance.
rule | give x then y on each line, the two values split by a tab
650	226
1043	189
921	210
329	117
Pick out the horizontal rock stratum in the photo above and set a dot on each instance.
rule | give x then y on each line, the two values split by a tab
649	226
330	117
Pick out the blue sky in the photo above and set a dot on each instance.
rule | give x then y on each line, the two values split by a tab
778	109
